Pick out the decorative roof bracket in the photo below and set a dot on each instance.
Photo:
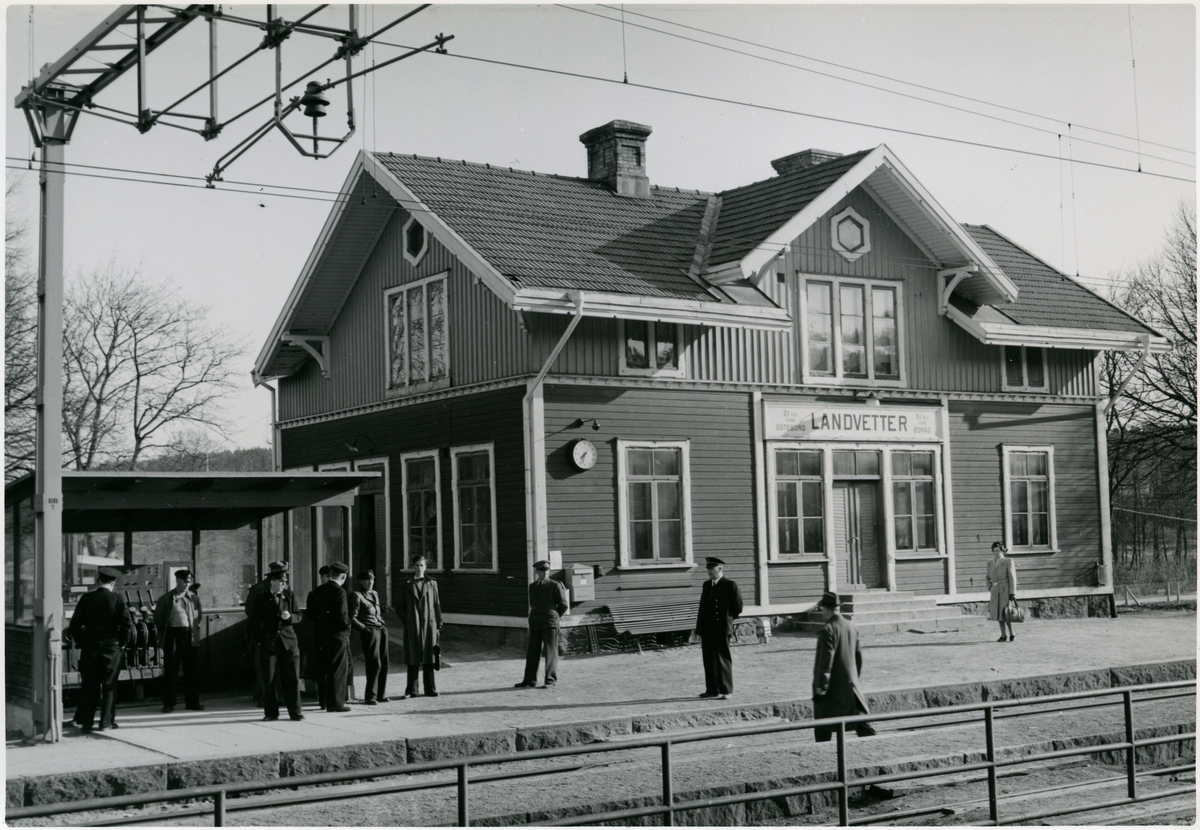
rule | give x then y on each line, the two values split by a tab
1112	399
307	342
953	276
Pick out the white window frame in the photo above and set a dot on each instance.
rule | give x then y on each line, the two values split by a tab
319	519
685	480
414	259
425	385
1024	386
437	483
1006	477
836	379
455	452
651	351
888	518
386	553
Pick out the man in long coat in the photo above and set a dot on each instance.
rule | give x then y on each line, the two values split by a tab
420	610
101	626
720	605
331	624
263	586
310	612
366	615
547	603
271	620
836	692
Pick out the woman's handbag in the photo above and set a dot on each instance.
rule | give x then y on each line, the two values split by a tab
1014	613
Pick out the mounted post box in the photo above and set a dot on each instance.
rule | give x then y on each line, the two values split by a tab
583	583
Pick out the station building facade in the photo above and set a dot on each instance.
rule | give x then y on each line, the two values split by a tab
821	378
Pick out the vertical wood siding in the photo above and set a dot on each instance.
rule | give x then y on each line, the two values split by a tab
487	417
921	576
977	432
582	506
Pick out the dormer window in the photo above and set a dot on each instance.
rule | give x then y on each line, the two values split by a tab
1024	369
649	348
416	241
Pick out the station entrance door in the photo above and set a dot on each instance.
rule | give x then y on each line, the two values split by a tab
856	535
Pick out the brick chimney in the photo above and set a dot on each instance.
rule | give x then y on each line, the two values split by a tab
617	157
803	160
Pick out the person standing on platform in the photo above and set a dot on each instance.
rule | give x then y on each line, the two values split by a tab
421	613
314	660
1002	585
177	619
720	605
366	615
332	626
547	602
271	620
258	588
836	692
101	626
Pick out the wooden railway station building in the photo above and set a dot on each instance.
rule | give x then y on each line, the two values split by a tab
821	377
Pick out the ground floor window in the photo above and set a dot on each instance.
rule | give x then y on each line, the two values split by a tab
914	501
654	502
421	482
474	507
1029	498
799	502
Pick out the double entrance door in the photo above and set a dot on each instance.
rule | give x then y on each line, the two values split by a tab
856	535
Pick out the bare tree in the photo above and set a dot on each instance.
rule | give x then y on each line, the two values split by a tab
20	344
139	362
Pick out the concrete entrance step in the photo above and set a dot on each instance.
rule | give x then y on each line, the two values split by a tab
879	611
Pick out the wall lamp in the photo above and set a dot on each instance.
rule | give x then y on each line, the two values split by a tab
354	447
582	422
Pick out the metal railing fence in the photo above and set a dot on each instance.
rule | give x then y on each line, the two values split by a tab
842	785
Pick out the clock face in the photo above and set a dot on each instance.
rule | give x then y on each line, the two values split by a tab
583	454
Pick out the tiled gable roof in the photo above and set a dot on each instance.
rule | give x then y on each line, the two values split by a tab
542	231
751	213
1048	297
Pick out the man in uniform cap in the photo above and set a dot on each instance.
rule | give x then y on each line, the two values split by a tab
310	610
271	620
101	626
720	605
547	601
366	615
329	611
836	692
261	587
177	618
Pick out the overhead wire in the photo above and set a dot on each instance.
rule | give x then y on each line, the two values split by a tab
889	78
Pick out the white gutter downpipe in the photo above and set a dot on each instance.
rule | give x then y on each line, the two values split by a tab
536	536
276	449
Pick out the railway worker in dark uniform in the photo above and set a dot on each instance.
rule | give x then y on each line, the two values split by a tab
314	668
258	588
331	622
271	621
101	625
177	619
366	615
720	605
547	602
836	692
421	613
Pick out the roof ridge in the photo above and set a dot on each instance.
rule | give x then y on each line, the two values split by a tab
803	172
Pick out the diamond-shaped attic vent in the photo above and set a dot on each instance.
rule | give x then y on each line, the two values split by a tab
851	234
415	241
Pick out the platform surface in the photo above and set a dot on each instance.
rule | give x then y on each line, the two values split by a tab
477	693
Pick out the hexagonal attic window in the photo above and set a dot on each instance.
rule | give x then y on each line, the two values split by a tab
851	234
416	241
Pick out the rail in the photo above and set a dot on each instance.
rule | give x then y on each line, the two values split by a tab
991	764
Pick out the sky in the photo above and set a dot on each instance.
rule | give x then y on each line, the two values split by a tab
1034	119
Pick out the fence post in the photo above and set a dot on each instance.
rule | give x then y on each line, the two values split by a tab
668	789
219	809
844	790
463	815
1130	754
989	732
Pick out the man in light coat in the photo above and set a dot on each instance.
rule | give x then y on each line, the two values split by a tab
836	692
421	612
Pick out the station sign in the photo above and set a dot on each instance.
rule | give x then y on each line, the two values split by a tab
850	422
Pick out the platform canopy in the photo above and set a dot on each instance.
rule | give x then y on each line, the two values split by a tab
95	502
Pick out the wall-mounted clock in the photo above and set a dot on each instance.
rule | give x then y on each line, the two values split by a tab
583	454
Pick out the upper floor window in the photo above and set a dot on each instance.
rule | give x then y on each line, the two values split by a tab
1029	522
417	337
1024	368
649	348
474	507
914	501
416	241
851	330
654	502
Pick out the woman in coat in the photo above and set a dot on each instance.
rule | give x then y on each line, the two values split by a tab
1002	582
421	612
